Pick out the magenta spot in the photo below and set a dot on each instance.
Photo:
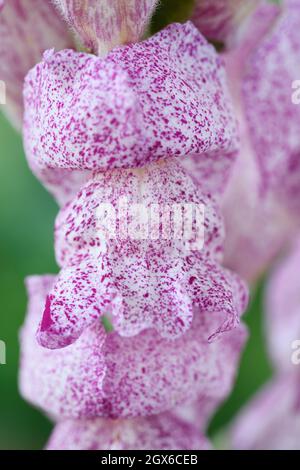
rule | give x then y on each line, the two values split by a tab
47	320
179	322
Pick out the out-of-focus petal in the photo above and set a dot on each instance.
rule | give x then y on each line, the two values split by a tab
148	282
221	20
162	432
272	420
27	29
104	24
213	170
110	376
272	116
251	241
283	307
164	97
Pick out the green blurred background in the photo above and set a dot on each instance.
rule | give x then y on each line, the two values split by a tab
27	215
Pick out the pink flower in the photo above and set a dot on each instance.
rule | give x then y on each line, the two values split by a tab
103	25
165	97
151	283
123	127
161	432
27	29
106	375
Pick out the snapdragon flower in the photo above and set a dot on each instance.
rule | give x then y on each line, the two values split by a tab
136	123
139	107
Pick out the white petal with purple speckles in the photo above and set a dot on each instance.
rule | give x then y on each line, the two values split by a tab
111	376
151	283
160	98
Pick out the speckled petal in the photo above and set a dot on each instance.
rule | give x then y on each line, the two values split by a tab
221	20
158	187
162	432
153	282
79	297
272	420
215	289
102	25
80	112
161	98
272	114
167	373
59	380
282	307
110	376
27	29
